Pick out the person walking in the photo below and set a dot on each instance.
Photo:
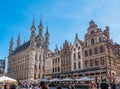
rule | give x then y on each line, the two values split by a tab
58	87
12	86
113	85
118	86
104	85
43	85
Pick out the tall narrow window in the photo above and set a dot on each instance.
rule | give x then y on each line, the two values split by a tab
74	56
79	55
53	70
90	52
96	62
86	44
100	39
58	60
79	66
92	41
86	53
74	49
74	65
86	63
53	61
101	49
102	60
91	62
76	44
95	50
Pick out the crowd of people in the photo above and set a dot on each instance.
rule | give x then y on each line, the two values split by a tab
45	85
25	85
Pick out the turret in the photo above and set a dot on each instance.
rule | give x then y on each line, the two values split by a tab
76	37
56	48
92	24
40	27
33	36
18	41
40	35
106	33
47	39
11	46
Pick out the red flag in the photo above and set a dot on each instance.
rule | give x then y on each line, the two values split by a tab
39	70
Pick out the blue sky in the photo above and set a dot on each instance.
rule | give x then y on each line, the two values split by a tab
65	18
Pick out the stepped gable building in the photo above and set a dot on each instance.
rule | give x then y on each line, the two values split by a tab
66	59
97	56
26	61
53	64
77	56
100	54
61	62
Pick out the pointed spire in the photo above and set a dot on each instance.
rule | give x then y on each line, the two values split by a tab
33	30
24	40
47	33
18	41
47	38
33	35
11	42
76	37
11	39
92	23
11	45
47	27
40	25
41	21
56	48
33	25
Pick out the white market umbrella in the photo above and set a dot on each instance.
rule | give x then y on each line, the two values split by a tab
6	79
55	80
42	79
85	79
67	79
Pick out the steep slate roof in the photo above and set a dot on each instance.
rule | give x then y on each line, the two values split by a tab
21	47
81	42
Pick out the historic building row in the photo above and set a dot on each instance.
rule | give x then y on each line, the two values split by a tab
97	56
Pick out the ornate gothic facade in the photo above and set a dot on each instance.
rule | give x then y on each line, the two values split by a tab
26	61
